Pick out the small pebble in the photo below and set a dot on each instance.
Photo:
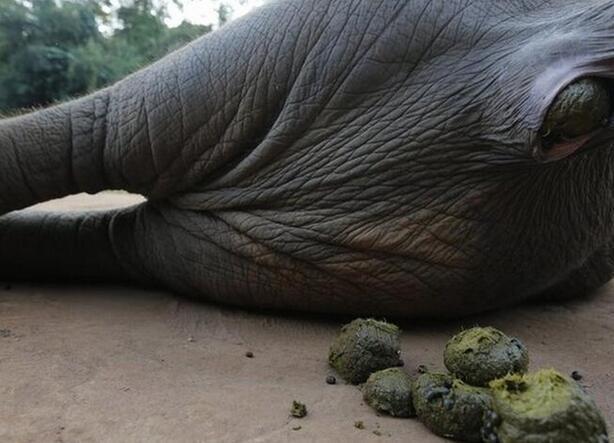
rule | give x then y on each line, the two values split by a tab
576	376
298	410
297	428
378	433
249	354
422	369
331	380
190	339
359	424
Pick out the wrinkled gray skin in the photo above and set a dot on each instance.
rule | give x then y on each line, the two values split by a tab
356	156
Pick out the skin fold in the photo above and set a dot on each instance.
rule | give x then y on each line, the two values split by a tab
351	156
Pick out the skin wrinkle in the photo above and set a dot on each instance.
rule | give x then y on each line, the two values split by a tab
122	117
221	156
251	105
181	106
267	192
441	30
573	254
326	150
412	38
366	156
305	123
294	257
71	149
370	252
344	77
92	142
149	106
19	165
161	99
148	139
98	156
265	40
473	45
320	268
423	227
198	264
234	252
218	87
179	118
171	164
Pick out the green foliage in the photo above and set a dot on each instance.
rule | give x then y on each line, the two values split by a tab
224	12
35	72
54	49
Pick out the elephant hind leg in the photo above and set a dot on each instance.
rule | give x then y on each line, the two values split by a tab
54	246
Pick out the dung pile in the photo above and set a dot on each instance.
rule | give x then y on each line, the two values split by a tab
487	395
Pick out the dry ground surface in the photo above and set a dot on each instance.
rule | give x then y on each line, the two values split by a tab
117	364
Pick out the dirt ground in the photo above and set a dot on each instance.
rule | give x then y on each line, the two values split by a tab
116	364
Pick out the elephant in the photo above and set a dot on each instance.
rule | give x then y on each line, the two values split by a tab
404	158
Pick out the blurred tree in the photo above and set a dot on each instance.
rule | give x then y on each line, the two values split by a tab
54	49
36	49
142	25
224	12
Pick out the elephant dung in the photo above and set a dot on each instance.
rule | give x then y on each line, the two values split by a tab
479	355
390	391
450	408
363	347
545	407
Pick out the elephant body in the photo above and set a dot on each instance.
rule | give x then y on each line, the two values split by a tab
350	156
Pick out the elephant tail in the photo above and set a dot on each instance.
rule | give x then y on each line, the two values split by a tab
75	246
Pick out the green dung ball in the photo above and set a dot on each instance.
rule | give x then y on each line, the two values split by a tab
451	408
363	347
390	391
479	355
544	407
